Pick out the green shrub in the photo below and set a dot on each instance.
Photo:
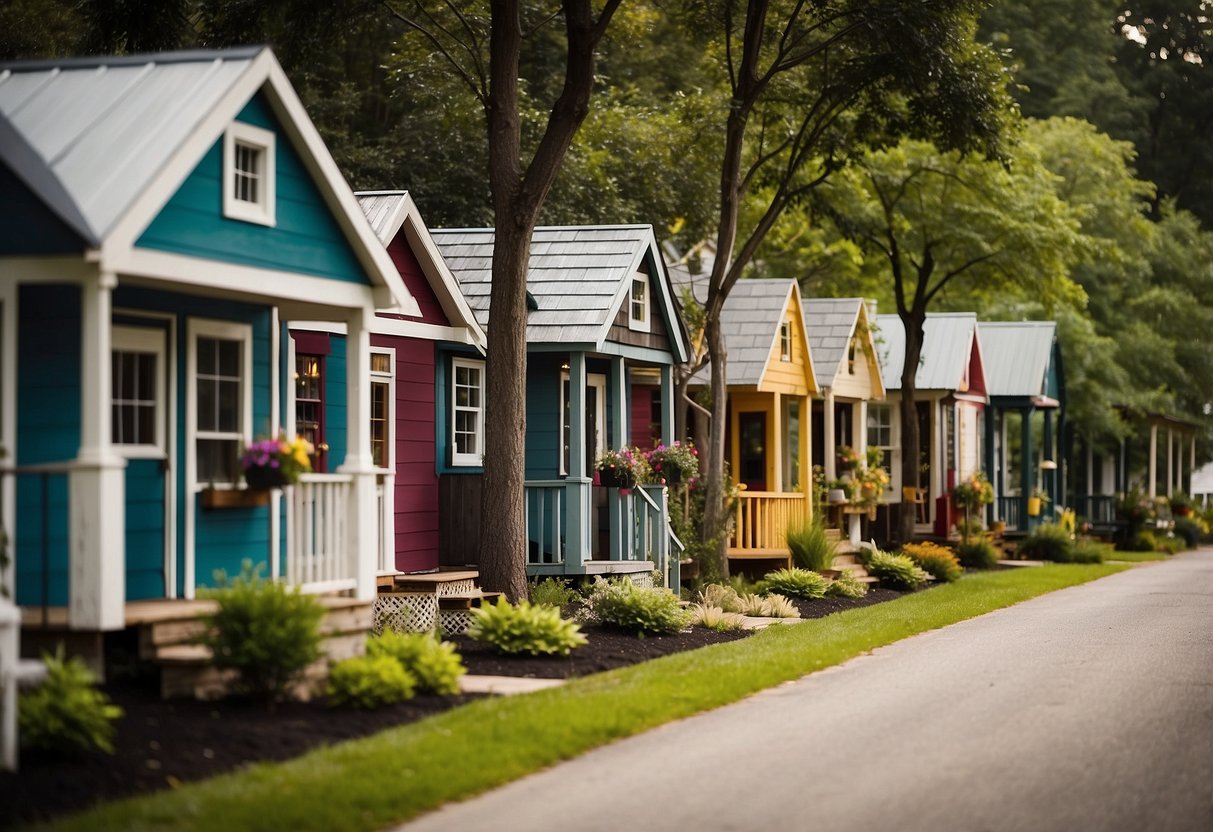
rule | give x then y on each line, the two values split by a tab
715	618
978	553
1171	545
811	548
526	628
1142	541
846	585
622	605
369	681
66	714
552	592
264	630
936	560
1048	541
798	583
1189	530
1090	551
896	571
432	662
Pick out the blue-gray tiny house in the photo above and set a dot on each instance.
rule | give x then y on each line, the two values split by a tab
172	214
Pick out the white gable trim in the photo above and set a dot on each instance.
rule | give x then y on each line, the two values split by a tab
658	282
264	74
793	292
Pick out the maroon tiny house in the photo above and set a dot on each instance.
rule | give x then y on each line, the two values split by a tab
402	383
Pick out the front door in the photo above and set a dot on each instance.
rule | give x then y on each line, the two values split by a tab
139	432
752	428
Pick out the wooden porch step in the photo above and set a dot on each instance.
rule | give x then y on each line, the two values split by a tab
467	600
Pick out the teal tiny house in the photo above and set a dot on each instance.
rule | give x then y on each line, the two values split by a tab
601	332
165	217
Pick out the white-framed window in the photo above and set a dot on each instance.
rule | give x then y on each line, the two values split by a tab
785	341
880	432
595	420
852	349
248	174
467	411
383	408
138	392
638	303
219	404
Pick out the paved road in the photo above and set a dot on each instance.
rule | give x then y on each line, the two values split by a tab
1087	709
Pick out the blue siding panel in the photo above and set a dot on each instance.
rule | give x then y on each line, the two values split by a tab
543	440
27	226
336	414
305	238
144	529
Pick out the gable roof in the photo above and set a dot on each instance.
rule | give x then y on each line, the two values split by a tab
578	276
750	320
829	324
949	339
104	142
1017	356
391	211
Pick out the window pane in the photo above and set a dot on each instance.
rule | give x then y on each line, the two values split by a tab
207	359
206	405
229	358
381	363
145	387
229	406
217	460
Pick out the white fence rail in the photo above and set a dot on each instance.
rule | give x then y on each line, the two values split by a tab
317	534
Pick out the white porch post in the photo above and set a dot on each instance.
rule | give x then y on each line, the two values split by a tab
1171	460
1153	461
363	524
1191	463
97	561
778	443
667	405
577	519
829	464
861	429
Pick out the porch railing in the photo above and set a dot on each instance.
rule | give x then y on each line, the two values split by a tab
551	538
653	538
1098	508
52	491
1010	512
761	520
317	533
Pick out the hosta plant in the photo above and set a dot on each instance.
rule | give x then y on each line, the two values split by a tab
896	571
525	628
622	605
846	585
370	681
432	661
798	583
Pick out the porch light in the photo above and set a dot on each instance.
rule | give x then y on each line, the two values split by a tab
1048	465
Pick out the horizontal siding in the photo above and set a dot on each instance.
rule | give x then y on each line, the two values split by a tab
305	238
27	226
788	377
543	440
415	280
644	433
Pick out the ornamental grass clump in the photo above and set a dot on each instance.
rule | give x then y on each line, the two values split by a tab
810	546
896	571
266	632
778	606
432	661
621	605
938	560
720	595
525	628
714	618
66	715
798	583
846	585
368	682
1048	541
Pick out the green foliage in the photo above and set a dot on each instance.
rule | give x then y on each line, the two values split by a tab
264	630
1189	530
978	553
1142	541
66	714
525	628
811	547
1090	551
846	585
939	561
799	583
431	661
896	571
1171	545
1048	541
552	592
720	595
777	606
622	605
715	618
369	681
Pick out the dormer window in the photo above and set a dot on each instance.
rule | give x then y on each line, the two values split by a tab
785	341
851	349
638	304
248	174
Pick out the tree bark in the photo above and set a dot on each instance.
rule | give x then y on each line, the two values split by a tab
714	517
912	321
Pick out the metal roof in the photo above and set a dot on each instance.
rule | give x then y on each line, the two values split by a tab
750	322
946	348
579	277
1016	356
103	128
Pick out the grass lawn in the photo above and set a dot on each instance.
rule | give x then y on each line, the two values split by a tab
377	781
1136	557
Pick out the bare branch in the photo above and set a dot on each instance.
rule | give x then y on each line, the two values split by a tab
477	82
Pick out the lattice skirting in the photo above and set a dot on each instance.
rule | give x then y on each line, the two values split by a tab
415	612
644	580
456	587
455	622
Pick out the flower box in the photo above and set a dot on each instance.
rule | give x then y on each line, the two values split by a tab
234	497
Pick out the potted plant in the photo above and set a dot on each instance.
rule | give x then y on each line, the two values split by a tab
273	463
1036	500
673	464
971	494
848	458
618	469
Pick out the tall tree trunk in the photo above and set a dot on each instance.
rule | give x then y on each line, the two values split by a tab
912	321
714	519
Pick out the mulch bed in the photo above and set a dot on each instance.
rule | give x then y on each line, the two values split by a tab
162	744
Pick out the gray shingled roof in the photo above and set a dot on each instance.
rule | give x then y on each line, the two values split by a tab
578	276
750	322
947	344
829	324
89	134
1016	356
381	209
